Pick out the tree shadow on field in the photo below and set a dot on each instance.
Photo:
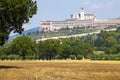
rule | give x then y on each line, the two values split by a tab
9	67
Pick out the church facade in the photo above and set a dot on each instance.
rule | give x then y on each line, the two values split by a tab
83	16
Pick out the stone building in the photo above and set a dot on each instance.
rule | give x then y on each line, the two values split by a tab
77	20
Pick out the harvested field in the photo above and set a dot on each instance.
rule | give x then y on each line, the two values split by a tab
60	70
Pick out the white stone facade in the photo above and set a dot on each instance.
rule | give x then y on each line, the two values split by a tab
77	20
83	16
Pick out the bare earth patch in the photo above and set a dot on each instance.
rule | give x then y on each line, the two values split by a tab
60	70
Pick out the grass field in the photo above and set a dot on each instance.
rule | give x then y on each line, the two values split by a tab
60	70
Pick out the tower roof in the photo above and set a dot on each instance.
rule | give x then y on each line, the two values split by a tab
82	8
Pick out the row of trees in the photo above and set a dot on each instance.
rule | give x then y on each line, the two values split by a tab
24	48
65	48
104	56
108	42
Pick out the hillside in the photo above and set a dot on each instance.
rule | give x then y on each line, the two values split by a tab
33	30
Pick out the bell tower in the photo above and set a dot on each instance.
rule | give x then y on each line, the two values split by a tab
82	14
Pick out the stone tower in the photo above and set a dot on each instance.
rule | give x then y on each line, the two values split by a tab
82	14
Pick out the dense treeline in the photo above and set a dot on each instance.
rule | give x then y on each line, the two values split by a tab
64	48
103	46
24	48
108	42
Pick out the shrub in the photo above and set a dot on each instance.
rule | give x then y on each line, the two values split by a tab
57	57
30	57
118	56
79	57
101	56
3	57
14	57
72	57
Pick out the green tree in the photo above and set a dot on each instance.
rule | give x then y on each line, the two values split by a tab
4	50
49	49
110	41
100	40
13	14
113	49
73	57
23	46
66	51
83	49
79	57
118	28
1	50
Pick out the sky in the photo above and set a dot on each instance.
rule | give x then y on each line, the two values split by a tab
62	9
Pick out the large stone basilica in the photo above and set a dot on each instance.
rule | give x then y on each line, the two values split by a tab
78	20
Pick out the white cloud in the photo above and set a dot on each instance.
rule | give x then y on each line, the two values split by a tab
86	2
97	6
26	27
102	5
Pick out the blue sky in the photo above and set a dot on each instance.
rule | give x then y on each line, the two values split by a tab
62	9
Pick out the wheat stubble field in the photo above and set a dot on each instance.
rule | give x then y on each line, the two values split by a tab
59	70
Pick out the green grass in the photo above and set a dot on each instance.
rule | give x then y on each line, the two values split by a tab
60	70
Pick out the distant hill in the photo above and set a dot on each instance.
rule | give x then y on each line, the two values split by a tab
36	29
